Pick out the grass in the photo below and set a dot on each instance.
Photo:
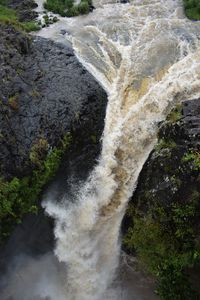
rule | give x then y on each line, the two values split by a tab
9	16
30	26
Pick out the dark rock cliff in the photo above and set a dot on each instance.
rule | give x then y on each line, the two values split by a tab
170	173
44	93
163	219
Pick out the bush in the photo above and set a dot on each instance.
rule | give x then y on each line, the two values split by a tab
163	219
167	247
19	196
67	7
30	26
192	9
83	7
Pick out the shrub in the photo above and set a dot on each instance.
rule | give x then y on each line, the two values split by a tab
20	196
67	7
163	220
83	7
30	26
166	247
192	9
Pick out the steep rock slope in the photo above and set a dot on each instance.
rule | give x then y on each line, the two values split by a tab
44	93
163	218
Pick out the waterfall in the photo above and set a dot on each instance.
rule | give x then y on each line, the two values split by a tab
146	55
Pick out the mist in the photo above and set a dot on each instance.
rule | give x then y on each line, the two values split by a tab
44	278
31	278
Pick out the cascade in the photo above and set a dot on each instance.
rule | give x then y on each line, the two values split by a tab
146	55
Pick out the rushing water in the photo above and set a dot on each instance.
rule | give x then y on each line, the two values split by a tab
146	55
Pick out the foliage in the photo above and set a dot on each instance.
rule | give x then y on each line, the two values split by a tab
164	226
9	16
165	243
38	151
175	115
194	158
67	8
20	195
170	144
48	20
192	9
30	26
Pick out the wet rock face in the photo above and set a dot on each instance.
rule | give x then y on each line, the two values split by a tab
162	225
170	175
186	130
171	172
44	93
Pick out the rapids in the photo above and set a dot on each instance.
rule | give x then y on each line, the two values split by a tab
146	55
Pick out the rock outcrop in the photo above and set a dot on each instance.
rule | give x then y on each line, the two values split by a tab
171	172
44	93
163	219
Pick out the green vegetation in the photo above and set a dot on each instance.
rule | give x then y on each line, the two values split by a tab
165	238
192	9
163	144
30	26
194	158
9	16
48	20
165	241
173	117
67	8
175	114
164	226
21	195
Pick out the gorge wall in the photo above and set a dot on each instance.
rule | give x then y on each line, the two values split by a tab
45	93
162	222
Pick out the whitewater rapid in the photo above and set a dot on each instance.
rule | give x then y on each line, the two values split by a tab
146	55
